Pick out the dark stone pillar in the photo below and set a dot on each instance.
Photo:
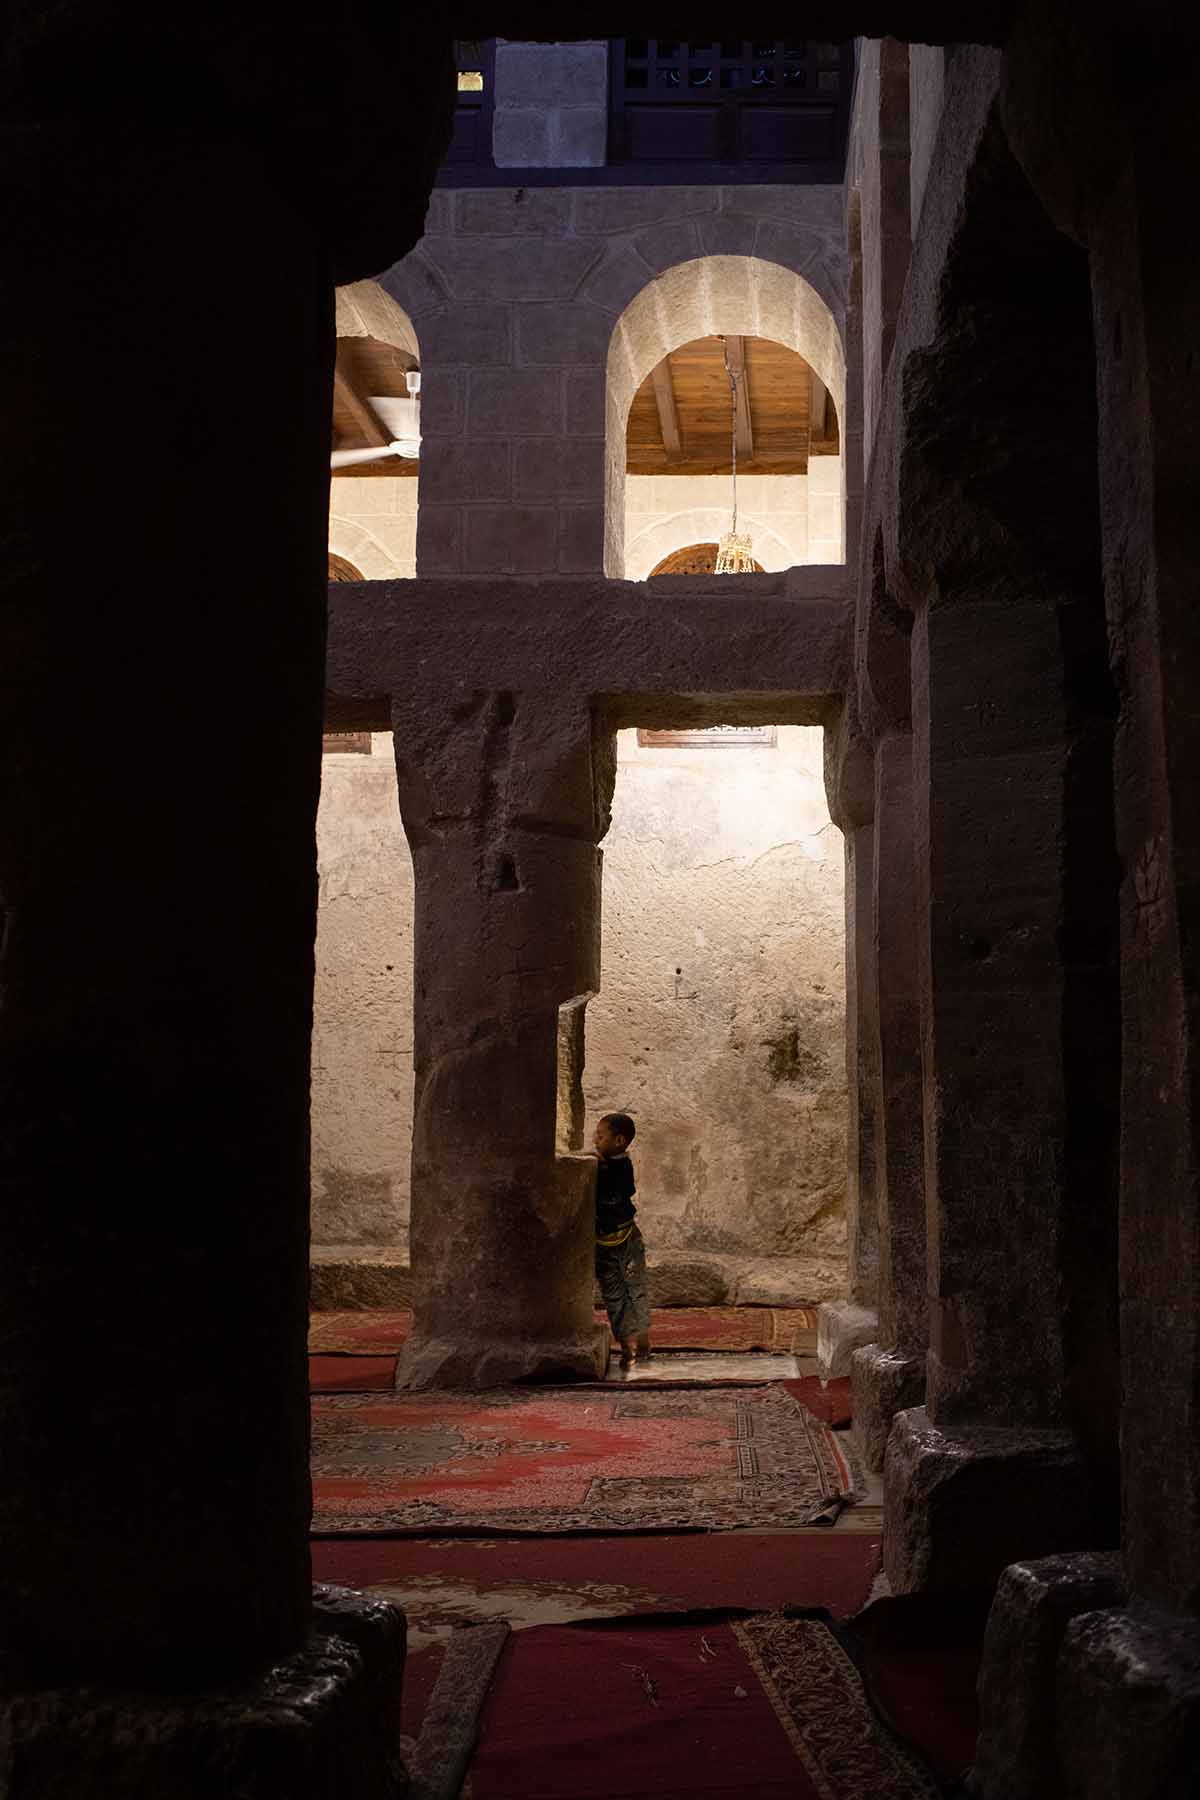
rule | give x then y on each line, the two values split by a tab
889	1374
993	1466
168	343
1129	1678
1012	708
499	800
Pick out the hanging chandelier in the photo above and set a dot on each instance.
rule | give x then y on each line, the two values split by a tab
734	556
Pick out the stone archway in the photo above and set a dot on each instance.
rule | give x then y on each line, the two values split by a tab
709	294
668	537
373	517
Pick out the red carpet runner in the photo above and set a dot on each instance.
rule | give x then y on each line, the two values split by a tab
765	1708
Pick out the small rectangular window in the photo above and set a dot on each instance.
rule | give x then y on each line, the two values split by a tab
346	743
711	737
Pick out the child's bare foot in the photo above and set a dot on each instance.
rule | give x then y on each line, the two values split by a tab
644	1351
628	1353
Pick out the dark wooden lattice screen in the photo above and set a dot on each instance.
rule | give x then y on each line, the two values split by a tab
742	100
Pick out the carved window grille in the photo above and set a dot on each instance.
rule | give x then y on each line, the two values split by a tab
475	62
741	100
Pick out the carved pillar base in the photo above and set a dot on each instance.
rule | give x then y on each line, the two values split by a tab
884	1383
1129	1707
960	1506
293	1733
1016	1758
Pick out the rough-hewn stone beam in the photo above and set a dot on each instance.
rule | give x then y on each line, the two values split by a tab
689	648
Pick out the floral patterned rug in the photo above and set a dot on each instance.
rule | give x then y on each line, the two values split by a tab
558	1460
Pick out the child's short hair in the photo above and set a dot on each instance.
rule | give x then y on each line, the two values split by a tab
622	1125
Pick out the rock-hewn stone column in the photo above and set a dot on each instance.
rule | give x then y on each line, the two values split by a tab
993	1467
889	1374
500	805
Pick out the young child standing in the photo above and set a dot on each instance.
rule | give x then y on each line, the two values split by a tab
620	1248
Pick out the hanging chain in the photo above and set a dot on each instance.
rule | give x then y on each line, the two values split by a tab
733	410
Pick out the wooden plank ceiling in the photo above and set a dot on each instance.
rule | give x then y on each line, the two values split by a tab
680	422
364	367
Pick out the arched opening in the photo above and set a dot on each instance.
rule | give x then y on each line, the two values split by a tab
376	436
694	559
672	414
362	1006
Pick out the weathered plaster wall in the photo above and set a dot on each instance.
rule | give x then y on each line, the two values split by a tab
362	1082
664	513
720	1021
722	863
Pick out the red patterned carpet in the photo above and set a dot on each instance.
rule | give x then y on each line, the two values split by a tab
788	1329
762	1708
528	1460
443	1583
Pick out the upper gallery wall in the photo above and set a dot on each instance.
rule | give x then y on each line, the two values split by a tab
515	294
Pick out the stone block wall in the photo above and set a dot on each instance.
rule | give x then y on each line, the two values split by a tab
514	295
551	107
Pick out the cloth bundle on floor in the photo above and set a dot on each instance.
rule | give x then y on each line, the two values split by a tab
555	1460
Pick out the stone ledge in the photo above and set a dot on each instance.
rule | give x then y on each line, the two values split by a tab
884	1383
960	1506
1016	1758
289	1735
1128	1698
359	1277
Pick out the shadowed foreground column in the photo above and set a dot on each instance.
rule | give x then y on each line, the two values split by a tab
995	1468
889	1375
499	806
157	916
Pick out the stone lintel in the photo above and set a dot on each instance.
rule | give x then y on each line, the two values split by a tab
960	1506
1128	1698
1016	1758
781	646
884	1383
842	1326
290	1734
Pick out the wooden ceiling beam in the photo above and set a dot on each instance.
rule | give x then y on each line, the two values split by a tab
817	408
668	417
348	397
735	356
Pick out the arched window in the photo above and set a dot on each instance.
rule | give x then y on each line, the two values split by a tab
696	559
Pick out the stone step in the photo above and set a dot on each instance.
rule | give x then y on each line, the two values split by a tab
357	1277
